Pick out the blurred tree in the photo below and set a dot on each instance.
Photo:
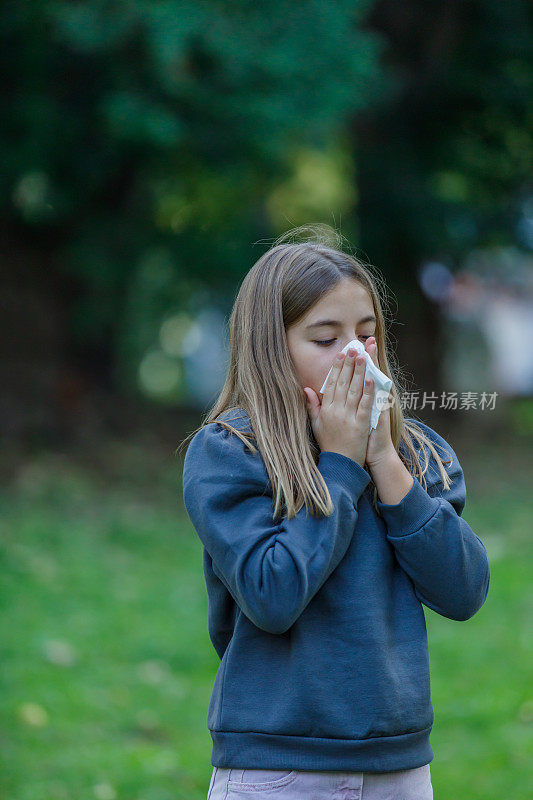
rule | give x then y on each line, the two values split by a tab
146	146
446	164
143	133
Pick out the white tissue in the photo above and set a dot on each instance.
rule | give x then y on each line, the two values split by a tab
382	383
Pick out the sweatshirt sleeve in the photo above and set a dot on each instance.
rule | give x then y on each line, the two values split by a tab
437	548
271	569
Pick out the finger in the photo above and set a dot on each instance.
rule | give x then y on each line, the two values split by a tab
329	388
365	404
372	349
345	377
356	384
313	403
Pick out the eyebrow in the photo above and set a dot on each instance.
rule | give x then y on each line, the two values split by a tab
336	324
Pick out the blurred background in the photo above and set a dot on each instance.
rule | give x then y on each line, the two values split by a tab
151	152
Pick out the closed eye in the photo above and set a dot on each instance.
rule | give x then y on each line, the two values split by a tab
327	342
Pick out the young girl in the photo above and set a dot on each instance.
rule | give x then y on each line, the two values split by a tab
322	538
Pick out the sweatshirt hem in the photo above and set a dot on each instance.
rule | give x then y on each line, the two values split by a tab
254	750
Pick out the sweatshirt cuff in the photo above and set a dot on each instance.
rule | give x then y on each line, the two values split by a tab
349	473
411	513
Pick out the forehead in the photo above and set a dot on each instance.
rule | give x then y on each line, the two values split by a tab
348	303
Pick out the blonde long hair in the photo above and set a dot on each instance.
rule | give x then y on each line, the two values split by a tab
279	289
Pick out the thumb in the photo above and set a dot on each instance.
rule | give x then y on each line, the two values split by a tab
313	403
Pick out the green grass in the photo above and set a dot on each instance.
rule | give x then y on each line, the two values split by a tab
107	663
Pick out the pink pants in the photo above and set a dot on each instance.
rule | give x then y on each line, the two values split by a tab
284	784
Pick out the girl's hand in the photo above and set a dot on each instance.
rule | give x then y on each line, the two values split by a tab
380	445
341	423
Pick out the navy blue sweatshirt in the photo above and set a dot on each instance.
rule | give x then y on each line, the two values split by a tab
318	622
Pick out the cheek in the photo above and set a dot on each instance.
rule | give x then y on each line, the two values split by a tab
312	362
316	366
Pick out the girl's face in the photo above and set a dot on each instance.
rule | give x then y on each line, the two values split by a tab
349	313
